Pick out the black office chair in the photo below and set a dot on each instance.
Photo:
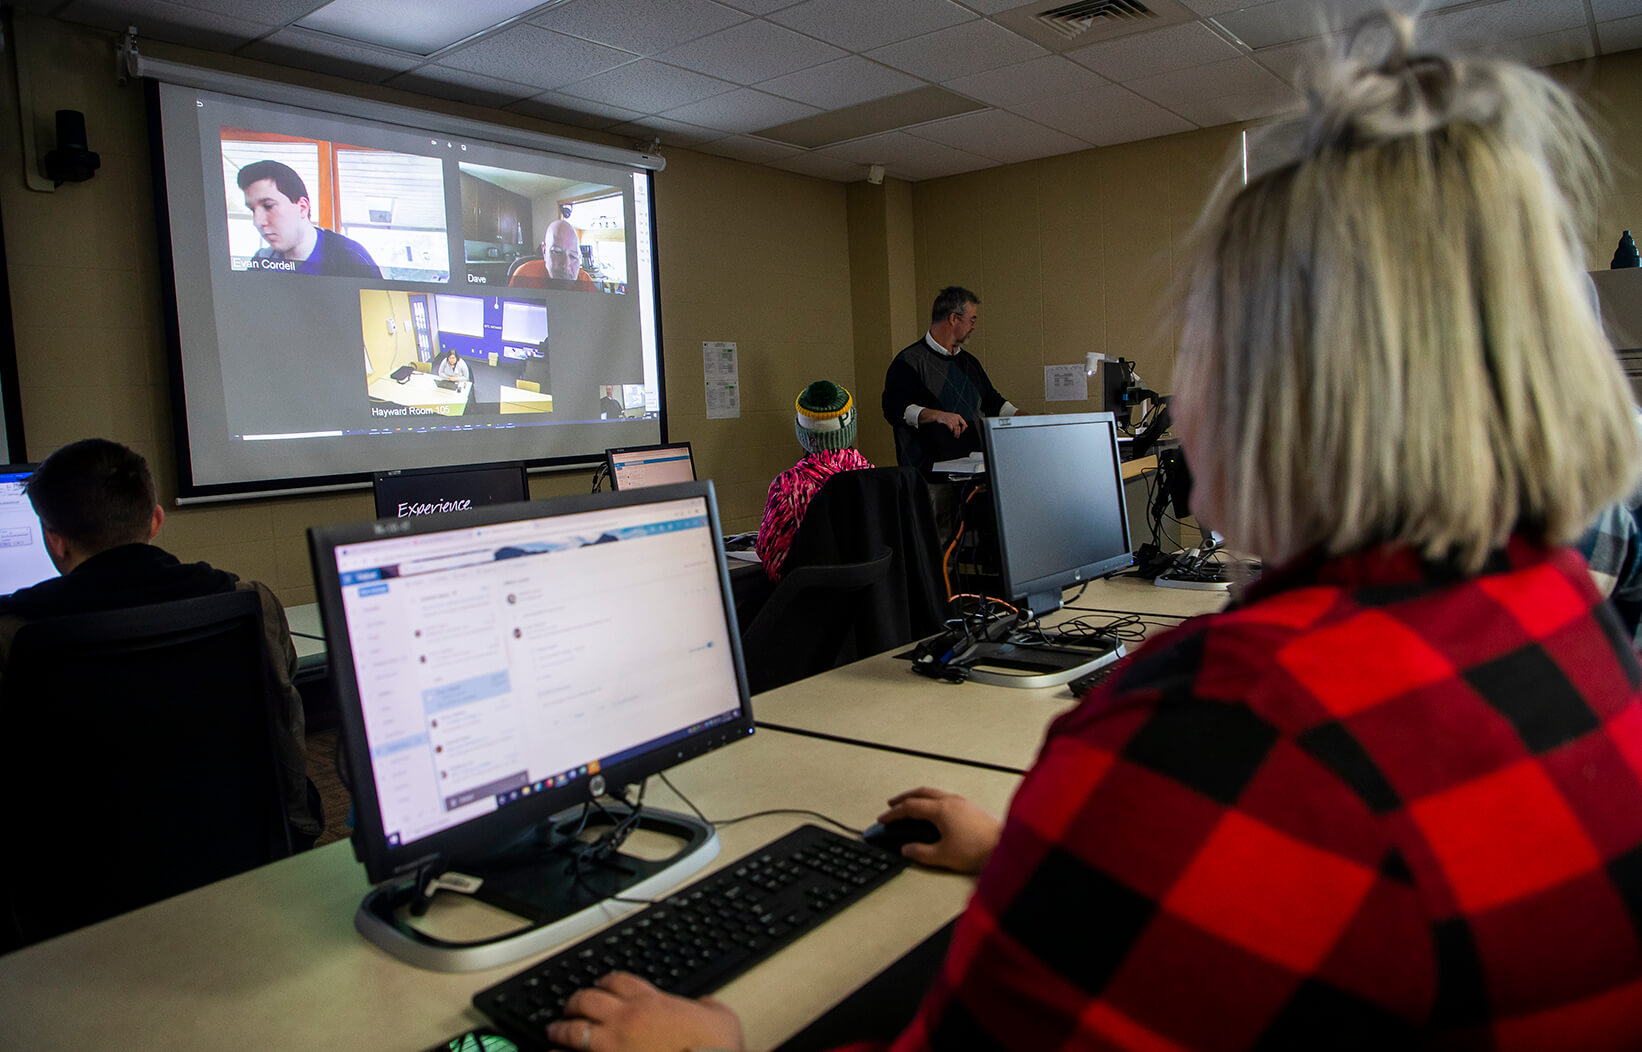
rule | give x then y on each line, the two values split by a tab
857	513
802	628
513	267
140	761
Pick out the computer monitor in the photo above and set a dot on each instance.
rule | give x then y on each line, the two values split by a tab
492	674
440	491
1057	493
1057	498
1116	378
24	560
634	467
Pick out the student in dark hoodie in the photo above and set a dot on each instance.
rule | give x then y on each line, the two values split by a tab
98	512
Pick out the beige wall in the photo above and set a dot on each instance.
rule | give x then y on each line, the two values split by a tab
746	253
1079	253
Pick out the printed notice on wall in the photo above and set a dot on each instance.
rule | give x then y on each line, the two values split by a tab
723	379
1065	383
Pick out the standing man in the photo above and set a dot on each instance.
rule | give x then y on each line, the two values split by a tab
935	392
279	205
561	262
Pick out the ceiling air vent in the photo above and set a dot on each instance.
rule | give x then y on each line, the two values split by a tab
1084	22
1074	20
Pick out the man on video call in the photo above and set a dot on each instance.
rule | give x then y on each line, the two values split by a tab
935	392
561	262
283	214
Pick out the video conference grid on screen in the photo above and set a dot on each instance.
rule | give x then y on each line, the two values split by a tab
24	560
354	295
493	662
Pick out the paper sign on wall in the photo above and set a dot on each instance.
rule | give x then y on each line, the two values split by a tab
1065	383
722	376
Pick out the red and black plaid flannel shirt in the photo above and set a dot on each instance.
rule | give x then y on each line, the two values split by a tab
1375	805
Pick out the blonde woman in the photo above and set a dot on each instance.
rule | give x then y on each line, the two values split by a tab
1392	797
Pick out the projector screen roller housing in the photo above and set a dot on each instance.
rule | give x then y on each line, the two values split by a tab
359	293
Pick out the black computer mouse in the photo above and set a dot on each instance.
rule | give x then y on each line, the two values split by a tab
891	835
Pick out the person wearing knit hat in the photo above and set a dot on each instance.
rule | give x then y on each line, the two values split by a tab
825	424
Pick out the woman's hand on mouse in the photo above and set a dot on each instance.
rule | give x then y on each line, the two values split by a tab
968	834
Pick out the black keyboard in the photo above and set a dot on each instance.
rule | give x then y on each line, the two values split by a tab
695	941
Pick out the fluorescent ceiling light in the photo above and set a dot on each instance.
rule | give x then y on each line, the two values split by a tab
420	27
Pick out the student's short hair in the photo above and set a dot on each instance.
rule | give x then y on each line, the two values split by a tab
951	300
96	493
1388	338
284	176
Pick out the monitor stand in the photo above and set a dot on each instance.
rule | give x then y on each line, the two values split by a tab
1010	664
535	880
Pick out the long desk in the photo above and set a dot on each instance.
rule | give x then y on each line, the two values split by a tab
879	702
270	958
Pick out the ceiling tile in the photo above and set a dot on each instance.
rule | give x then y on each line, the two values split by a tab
1548	49
859	25
1478	27
822	167
760	7
164	21
1238	76
1621	34
749	148
647	86
959	50
1288	61
567	109
462	86
527	54
909	157
742	111
1160	51
645	28
751	52
1001	136
671	133
1210	109
305	49
273	12
1611	10
1039	78
1285	21
990	7
1206	8
1105	116
834	85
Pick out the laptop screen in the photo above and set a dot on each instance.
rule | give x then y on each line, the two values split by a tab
23	557
640	466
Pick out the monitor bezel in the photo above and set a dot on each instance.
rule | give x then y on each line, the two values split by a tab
1057	582
611	453
444	469
479	837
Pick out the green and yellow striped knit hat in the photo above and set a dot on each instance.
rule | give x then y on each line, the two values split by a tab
826	417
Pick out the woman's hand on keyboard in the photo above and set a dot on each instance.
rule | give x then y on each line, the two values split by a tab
623	1013
968	834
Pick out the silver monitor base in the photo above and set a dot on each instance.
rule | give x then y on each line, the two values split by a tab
381	917
1165	581
1013	665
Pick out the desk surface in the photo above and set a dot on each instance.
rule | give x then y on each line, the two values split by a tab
270	958
879	701
422	391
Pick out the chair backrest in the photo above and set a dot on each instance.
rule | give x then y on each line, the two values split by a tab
856	513
513	267
802	628
142	762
